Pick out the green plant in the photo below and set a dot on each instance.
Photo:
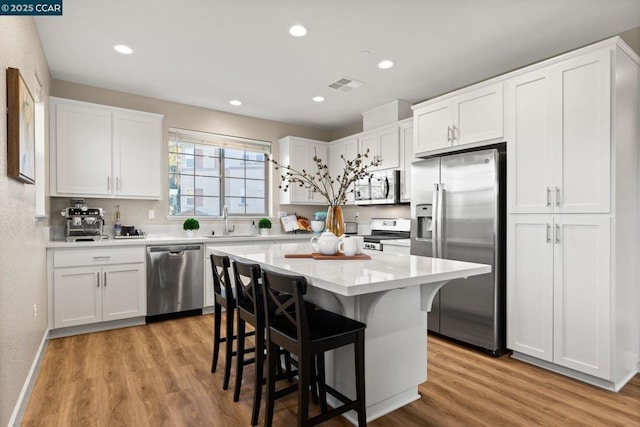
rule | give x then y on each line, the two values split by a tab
335	189
264	223
191	224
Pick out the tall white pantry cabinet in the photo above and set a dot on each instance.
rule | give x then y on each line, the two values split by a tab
572	263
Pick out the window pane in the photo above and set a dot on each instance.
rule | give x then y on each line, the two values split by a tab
255	170
183	163
236	205
255	206
208	186
181	147
255	188
235	154
234	168
234	187
207	166
207	150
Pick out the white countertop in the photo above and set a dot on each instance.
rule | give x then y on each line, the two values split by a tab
384	271
171	240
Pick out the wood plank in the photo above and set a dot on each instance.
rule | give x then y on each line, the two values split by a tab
159	374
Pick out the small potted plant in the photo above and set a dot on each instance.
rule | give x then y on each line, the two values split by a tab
264	225
190	225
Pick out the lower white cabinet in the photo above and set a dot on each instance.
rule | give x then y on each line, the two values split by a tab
559	290
94	286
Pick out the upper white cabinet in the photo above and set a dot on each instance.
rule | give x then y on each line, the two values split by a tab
298	153
104	151
471	116
383	144
347	148
559	139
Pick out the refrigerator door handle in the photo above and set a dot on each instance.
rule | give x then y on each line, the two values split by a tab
435	222
440	214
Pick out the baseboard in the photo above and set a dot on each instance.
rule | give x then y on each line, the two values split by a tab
30	381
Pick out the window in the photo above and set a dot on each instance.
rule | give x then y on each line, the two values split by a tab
208	171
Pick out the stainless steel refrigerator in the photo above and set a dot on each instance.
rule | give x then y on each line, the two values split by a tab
458	211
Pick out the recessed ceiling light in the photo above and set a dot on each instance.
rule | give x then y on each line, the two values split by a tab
123	49
298	31
318	98
235	103
386	64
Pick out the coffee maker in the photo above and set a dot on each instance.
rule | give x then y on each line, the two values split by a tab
83	224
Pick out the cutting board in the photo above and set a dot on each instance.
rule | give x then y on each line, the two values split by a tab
318	255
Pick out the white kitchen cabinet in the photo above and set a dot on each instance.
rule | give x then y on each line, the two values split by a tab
383	144
560	309
298	153
472	115
103	151
347	147
91	286
572	255
559	142
406	158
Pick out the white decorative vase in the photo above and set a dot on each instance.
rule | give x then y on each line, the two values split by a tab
190	233
264	231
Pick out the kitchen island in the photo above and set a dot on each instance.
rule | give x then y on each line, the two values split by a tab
391	293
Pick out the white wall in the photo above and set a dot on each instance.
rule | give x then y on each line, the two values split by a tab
22	239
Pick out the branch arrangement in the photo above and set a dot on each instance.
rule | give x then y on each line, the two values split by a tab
322	183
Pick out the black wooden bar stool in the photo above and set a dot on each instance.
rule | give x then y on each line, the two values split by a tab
224	298
308	335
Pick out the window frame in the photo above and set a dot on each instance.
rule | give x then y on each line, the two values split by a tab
222	143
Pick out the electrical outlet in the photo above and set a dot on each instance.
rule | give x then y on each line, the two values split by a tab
152	214
35	312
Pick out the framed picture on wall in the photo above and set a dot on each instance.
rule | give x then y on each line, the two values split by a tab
21	129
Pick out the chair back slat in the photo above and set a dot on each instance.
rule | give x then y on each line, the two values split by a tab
284	303
222	286
247	278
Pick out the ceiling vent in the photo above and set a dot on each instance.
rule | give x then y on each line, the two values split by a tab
346	84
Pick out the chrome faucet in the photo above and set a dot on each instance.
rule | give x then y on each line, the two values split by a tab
225	216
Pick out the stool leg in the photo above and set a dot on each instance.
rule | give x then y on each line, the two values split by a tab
320	383
228	349
239	359
272	361
304	381
257	385
217	318
360	386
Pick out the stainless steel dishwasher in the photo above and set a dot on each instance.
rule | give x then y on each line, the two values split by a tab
174	281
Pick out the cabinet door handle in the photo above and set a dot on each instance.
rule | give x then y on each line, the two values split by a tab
453	133
108	183
98	279
557	233
548	233
557	196
118	183
105	257
548	197
104	284
448	133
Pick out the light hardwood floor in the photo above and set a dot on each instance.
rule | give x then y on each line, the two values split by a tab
158	375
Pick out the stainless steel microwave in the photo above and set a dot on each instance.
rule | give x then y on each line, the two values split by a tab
382	188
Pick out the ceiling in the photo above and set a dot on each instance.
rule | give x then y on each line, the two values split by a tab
208	52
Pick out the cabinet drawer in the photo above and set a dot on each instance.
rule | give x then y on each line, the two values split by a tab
83	256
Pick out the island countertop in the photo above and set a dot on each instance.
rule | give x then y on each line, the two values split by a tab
383	272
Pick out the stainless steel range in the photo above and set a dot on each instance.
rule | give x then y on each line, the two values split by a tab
386	229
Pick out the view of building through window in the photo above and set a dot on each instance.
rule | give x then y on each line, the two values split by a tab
208	171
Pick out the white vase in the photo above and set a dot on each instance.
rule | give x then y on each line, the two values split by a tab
191	233
264	231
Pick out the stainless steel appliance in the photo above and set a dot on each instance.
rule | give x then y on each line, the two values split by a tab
386	229
458	205
83	223
381	188
175	281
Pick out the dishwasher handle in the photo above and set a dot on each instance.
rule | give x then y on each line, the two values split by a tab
174	249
